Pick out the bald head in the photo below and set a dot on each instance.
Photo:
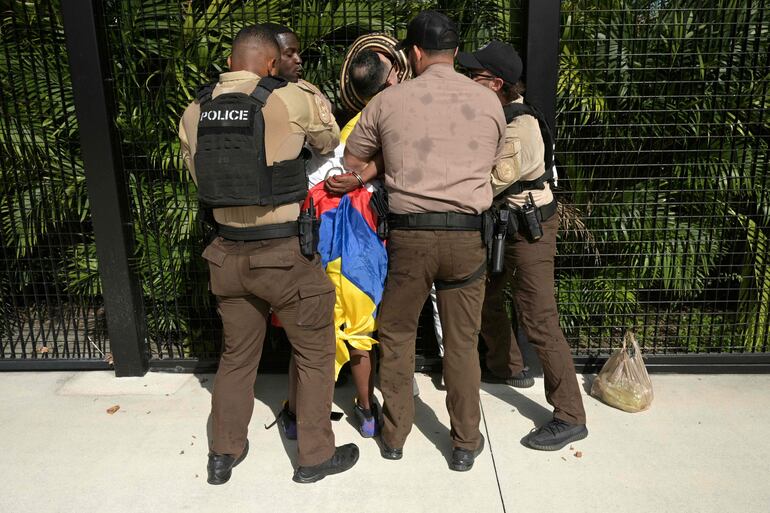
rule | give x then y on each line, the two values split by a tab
254	49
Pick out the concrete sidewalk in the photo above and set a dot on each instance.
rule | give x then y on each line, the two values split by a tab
702	447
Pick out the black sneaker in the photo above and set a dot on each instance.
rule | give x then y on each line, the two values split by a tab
462	459
555	435
220	466
519	380
344	457
368	426
287	421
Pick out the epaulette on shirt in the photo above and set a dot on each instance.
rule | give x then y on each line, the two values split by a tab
307	86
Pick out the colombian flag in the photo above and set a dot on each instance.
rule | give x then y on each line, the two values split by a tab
355	261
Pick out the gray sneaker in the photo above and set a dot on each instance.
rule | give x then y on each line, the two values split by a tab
555	435
520	380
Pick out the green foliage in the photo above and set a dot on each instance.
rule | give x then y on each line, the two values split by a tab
658	89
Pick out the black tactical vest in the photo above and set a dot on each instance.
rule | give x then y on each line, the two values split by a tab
230	162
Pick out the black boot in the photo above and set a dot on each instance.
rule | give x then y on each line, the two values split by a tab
343	459
462	459
220	466
391	454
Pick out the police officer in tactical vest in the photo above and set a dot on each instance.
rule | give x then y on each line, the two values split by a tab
522	187
242	140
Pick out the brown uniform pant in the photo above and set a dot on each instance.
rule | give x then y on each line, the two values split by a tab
415	260
530	268
248	278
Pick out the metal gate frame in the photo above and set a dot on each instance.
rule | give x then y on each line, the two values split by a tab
106	180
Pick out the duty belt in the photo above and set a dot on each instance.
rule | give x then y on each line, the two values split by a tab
451	221
545	212
264	232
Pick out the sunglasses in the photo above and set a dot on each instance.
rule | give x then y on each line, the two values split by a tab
480	76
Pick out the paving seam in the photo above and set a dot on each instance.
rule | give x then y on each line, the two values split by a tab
491	452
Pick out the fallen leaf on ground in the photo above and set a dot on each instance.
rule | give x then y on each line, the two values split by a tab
579	454
181	452
147	413
113	409
571	448
565	459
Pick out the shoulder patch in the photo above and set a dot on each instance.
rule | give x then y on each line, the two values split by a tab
323	110
506	171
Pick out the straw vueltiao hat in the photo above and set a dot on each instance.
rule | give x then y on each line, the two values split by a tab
380	43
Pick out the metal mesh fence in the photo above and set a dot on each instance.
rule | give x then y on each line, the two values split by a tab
662	133
49	291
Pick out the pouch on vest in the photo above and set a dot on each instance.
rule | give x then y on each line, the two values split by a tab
230	162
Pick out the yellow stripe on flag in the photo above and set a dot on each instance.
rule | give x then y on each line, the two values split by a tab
353	309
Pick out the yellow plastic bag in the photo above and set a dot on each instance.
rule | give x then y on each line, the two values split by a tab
623	382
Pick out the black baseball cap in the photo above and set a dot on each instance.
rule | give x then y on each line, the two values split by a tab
499	58
431	30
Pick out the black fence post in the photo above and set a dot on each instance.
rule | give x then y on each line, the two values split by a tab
106	183
542	56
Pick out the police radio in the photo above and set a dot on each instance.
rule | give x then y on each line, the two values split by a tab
308	231
532	228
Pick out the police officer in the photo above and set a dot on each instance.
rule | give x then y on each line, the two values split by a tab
289	64
241	141
522	184
440	135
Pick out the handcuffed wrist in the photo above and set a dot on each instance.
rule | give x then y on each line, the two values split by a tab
358	177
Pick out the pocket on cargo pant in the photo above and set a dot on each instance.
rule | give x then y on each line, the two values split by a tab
221	281
316	304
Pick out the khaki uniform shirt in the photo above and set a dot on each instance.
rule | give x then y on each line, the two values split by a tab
320	97
523	160
292	114
440	133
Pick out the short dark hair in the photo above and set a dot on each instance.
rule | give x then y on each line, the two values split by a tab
277	29
258	34
367	74
450	52
512	92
